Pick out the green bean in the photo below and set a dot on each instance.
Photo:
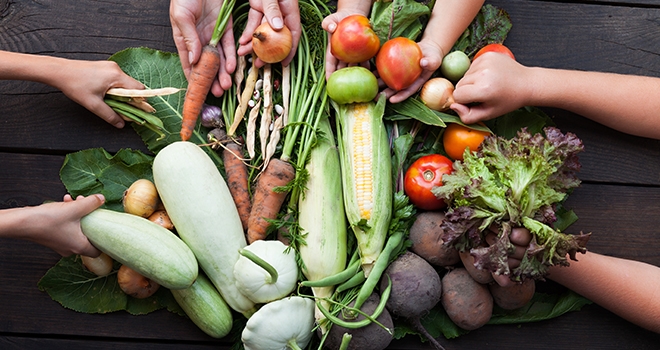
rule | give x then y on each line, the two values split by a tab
379	267
354	281
368	318
335	279
345	340
124	107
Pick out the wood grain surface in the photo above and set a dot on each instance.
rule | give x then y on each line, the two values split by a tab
619	200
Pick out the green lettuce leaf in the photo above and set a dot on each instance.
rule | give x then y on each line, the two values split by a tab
491	25
399	18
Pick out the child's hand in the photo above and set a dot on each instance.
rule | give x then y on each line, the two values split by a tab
59	225
86	83
494	85
431	59
520	238
329	24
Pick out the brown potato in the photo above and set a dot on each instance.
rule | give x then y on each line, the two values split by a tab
426	238
479	275
467	303
514	296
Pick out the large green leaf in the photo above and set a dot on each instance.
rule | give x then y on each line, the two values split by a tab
74	287
158	69
95	170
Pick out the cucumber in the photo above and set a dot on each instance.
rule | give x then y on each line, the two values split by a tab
205	307
152	250
202	209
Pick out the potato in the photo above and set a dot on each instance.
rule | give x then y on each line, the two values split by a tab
514	296
467	302
426	238
479	275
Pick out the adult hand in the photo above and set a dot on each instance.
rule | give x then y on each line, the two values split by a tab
193	22
494	84
277	14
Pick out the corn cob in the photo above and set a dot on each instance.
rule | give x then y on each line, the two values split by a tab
366	175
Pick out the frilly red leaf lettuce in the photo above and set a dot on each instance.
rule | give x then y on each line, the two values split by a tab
512	183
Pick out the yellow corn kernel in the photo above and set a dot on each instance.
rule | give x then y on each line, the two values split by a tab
362	159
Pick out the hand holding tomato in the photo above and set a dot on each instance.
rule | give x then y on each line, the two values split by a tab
354	41
430	61
495	47
398	61
330	24
422	176
494	85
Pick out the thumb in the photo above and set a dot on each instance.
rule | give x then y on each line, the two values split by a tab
469	114
273	14
86	205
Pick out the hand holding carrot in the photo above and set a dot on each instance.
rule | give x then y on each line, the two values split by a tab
277	13
193	22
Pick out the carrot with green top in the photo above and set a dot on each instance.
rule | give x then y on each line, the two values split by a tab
203	73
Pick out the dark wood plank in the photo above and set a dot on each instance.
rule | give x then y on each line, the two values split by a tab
22	343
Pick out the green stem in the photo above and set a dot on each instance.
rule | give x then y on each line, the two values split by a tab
261	263
223	19
293	345
345	340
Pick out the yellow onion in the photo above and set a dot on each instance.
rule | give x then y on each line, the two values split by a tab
437	94
161	218
141	198
271	45
100	266
134	284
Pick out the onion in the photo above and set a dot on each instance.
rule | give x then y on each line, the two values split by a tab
270	45
437	94
212	117
161	218
100	266
141	198
134	284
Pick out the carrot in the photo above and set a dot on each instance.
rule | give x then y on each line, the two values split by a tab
237	180
199	84
266	201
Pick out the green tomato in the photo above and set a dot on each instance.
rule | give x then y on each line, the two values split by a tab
454	65
351	85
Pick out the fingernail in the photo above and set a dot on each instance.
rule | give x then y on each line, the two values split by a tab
277	23
332	27
120	124
100	197
190	56
423	62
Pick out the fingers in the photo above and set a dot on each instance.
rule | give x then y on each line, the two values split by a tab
271	10
187	42
106	113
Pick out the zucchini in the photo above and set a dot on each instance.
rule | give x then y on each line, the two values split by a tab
205	307
152	250
202	209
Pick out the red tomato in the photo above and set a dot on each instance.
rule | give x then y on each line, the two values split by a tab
422	176
397	63
457	138
494	48
354	41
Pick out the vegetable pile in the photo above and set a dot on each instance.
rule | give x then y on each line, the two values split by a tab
303	211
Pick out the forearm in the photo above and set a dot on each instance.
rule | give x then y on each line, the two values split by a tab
20	66
359	6
628	288
627	103
448	21
17	222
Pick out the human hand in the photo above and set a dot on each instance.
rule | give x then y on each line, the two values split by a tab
520	237
193	22
431	59
329	24
494	84
86	82
277	13
58	226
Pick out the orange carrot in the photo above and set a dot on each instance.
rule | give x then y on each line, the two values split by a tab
266	202
199	84
237	180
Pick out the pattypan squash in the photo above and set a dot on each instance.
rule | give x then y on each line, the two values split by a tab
286	323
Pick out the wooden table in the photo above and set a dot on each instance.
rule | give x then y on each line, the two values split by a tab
619	200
